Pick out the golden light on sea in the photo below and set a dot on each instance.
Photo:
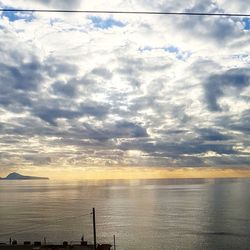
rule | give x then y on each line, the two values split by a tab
137	173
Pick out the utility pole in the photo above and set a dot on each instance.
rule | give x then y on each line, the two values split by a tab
94	228
114	242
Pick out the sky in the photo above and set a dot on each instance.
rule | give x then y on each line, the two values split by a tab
100	92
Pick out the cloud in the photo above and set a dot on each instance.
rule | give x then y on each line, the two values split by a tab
103	72
213	135
56	66
65	89
121	129
232	82
63	4
205	31
238	123
48	3
176	150
81	90
234	5
37	159
24	77
50	115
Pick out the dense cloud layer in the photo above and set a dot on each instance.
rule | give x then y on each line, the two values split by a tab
120	90
232	82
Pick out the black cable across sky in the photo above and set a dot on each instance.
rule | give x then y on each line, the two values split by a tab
127	12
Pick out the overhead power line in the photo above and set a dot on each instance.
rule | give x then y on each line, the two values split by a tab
128	12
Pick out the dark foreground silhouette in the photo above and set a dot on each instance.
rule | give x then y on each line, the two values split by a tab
65	246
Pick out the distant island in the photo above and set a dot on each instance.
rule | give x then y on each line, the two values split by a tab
16	176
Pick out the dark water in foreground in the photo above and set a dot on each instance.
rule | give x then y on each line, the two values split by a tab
149	214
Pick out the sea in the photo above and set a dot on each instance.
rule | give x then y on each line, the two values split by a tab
142	214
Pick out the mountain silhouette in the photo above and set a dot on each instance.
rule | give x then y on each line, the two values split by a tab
16	176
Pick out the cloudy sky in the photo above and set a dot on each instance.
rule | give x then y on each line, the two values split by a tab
82	90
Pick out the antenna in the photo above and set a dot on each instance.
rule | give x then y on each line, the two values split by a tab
94	228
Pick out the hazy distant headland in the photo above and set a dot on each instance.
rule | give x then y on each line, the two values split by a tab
16	176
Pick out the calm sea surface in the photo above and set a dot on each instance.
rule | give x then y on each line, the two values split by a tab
148	214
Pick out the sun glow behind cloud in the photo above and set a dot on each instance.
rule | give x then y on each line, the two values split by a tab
96	173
